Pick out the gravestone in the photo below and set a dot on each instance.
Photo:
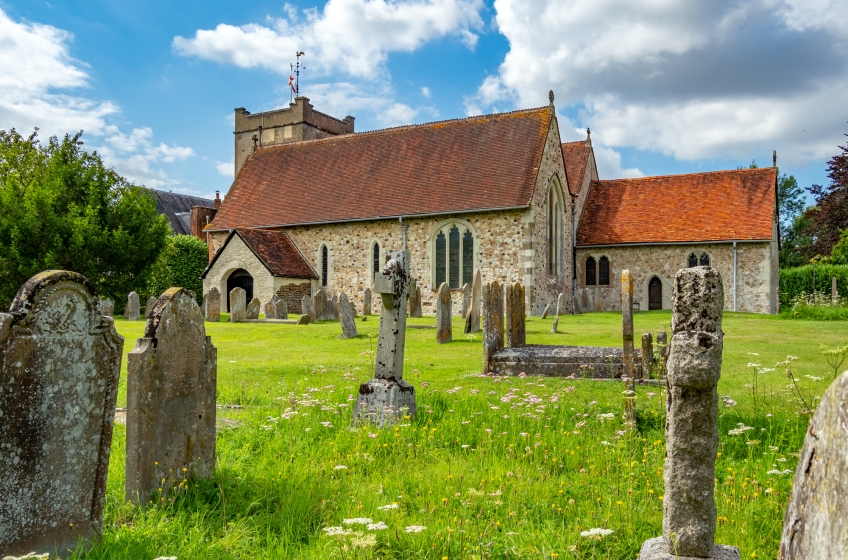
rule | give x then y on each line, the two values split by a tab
171	386
555	326
238	305
132	312
212	305
467	328
476	301
387	397
816	522
253	308
60	361
304	319
148	307
270	310
444	327
834	292
319	304
346	317
282	309
107	307
366	302
333	307
545	311
628	369
466	300
560	309
694	368
515	331
647	356
415	300
307	307
493	321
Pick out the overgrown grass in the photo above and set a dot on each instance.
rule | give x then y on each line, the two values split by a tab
492	467
811	312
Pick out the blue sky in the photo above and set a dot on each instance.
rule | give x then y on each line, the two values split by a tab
667	86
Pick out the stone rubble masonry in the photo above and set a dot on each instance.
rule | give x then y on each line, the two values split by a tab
292	294
387	397
346	317
816	522
238	305
476	302
444	327
212	305
694	368
756	282
132	312
60	361
647	356
515	316
171	386
253	309
148	307
366	302
107	307
466	300
493	322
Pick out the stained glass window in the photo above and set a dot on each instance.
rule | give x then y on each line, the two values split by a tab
603	271
376	265
467	257
590	271
324	265
441	259
454	257
693	260
705	259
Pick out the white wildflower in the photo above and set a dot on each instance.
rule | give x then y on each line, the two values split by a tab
388	506
596	533
339	468
358	521
415	528
378	526
334	531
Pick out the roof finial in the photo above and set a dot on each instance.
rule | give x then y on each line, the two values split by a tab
588	132
551	96
774	158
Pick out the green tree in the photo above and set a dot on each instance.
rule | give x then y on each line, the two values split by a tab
179	265
790	201
61	208
795	243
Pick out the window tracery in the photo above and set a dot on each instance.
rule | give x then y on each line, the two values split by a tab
453	254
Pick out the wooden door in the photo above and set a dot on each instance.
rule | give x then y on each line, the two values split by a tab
655	294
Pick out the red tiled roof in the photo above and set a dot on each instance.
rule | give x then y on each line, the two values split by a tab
576	157
717	206
478	163
276	251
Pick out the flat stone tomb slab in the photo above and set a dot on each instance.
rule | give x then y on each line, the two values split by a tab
559	361
654	549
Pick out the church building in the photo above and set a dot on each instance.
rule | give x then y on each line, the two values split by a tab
315	205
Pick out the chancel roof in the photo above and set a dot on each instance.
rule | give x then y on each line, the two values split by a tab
478	163
575	155
276	251
718	206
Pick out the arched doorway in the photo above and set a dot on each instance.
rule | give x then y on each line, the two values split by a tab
655	294
240	279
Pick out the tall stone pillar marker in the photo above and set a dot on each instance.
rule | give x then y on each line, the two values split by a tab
834	292
662	357
366	302
694	368
132	312
493	322
60	361
346	317
171	386
387	396
629	371
444	327
515	330
476	301
647	355
466	300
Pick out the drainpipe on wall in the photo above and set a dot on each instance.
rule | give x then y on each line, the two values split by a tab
734	276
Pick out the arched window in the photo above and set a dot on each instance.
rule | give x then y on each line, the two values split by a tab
375	266
325	265
693	260
705	259
591	272
452	256
555	228
603	271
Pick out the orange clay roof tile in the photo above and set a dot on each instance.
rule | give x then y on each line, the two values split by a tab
276	251
576	157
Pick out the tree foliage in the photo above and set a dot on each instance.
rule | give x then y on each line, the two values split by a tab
60	208
829	216
179	265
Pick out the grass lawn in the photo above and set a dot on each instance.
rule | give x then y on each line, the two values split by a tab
493	468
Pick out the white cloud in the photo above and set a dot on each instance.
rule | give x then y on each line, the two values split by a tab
425	91
729	78
346	98
37	72
349	36
609	165
225	168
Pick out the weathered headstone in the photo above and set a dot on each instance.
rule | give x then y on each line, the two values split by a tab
515	331
282	309
253	308
238	305
346	317
555	325
171	386
816	522
834	292
545	311
476	301
333	308
212	305
662	356
270	310
132	312
466	300
107	307
148	307
60	361
319	304
387	396
627	361
467	328
647	356
444	327
561	307
493	321
307	307
415	300
366	302
694	368
304	319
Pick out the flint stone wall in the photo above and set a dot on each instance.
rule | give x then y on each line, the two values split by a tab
60	360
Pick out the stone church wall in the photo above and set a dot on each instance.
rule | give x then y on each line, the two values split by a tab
756	289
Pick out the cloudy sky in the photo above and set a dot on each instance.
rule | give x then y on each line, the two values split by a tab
667	86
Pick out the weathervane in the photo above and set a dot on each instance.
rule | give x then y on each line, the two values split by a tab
294	77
